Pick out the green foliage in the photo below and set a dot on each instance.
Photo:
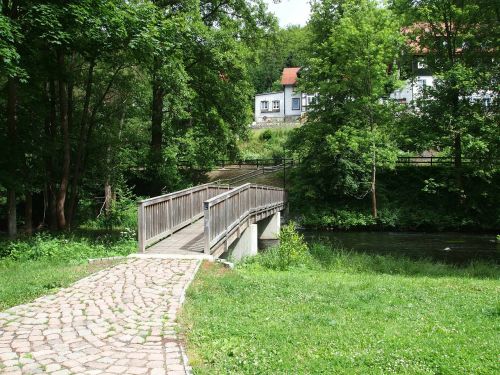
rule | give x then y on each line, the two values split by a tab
122	214
413	198
354	314
265	144
451	115
343	260
281	48
339	219
68	247
348	132
147	84
292	251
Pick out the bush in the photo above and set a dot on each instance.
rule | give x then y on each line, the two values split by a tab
46	246
341	219
292	251
266	135
122	214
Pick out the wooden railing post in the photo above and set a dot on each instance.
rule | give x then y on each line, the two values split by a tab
206	209
141	228
191	203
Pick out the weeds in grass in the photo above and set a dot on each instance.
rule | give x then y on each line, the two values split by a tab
293	252
66	247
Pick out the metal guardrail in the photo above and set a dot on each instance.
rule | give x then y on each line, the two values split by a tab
225	212
161	216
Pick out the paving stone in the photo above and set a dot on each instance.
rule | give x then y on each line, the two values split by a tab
116	321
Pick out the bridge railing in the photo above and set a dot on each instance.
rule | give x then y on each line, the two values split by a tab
225	212
161	216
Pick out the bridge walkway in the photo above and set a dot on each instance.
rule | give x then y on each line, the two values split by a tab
203	221
187	241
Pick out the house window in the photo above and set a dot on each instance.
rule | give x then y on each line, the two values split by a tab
264	106
276	105
422	83
295	104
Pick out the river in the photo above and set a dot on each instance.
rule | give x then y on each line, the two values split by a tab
457	248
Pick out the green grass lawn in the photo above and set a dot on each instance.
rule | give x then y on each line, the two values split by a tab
23	281
360	315
33	266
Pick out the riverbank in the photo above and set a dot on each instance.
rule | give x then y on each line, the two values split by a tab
409	198
344	313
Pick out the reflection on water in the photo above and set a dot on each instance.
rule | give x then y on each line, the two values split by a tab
448	247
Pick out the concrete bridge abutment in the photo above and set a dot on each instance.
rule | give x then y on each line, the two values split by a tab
269	228
247	243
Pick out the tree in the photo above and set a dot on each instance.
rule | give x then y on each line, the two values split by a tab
354	45
281	48
459	42
97	93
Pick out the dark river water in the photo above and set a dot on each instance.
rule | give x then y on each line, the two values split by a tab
447	247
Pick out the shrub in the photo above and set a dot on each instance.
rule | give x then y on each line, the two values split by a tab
46	246
291	252
266	135
341	219
122	214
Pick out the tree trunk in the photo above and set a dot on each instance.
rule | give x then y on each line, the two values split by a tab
108	197
156	122
11	213
82	141
457	149
12	87
50	121
63	187
156	136
28	213
374	186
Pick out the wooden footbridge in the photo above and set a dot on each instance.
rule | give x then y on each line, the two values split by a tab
209	219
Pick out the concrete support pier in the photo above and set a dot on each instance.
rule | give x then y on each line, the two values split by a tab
245	245
269	228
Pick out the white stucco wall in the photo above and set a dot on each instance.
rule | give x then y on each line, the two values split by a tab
289	95
412	90
270	115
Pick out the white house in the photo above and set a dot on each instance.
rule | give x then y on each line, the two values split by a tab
413	89
286	105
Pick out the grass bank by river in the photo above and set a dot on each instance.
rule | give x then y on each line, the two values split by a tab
341	312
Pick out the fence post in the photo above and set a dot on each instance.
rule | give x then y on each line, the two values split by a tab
206	209
191	202
170	213
141	227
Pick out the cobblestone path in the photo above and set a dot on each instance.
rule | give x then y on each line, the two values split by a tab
117	321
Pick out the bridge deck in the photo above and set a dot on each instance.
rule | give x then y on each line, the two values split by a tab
187	241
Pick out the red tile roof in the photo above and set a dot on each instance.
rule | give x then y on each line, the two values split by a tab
289	76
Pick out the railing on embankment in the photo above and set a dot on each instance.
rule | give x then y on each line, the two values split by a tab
161	216
225	213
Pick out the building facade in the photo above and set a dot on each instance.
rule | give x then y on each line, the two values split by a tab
287	105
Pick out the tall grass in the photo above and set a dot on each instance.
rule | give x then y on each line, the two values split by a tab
294	253
265	144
